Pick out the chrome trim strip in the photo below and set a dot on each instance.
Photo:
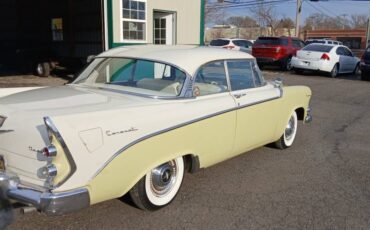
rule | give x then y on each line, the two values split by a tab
50	125
176	127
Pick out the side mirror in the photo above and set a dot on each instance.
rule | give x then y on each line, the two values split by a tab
90	58
278	83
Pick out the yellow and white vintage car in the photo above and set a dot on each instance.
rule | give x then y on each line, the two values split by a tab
134	121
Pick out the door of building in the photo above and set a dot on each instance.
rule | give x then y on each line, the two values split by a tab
164	28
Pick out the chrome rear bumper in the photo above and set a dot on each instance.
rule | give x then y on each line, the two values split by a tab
47	202
308	118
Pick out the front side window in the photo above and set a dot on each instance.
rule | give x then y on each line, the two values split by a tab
211	79
134	75
241	75
134	20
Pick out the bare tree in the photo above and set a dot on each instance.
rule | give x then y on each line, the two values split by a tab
266	15
321	21
286	23
214	14
242	22
359	21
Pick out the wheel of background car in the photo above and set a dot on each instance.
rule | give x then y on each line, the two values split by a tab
43	69
334	71
159	186
357	70
287	64
290	132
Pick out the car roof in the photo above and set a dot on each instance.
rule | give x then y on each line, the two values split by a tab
187	57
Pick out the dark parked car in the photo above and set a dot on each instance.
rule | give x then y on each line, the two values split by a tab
276	51
365	65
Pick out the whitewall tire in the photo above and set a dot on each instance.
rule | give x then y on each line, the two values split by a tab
160	186
290	132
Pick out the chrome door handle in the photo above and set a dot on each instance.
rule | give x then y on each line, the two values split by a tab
240	95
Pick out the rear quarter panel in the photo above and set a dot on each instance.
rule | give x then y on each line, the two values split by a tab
294	97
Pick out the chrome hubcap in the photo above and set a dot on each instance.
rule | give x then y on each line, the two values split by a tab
39	69
289	130
163	178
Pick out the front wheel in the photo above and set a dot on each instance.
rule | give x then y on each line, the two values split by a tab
357	70
290	132
159	186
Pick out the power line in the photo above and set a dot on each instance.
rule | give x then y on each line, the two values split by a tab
248	4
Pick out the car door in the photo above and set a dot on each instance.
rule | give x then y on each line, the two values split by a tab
256	105
218	108
352	61
344	60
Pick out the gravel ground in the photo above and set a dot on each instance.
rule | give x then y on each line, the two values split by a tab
322	182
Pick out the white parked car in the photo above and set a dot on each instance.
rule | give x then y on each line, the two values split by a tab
332	59
135	121
233	44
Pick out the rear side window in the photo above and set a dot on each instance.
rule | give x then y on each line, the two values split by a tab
241	75
318	48
211	79
219	42
272	41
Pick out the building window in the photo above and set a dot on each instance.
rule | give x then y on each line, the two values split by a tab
134	20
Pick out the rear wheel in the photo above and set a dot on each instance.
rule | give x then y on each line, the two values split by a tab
159	186
334	71
286	64
357	70
290	132
43	69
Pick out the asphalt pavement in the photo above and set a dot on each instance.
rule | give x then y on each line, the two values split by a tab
322	182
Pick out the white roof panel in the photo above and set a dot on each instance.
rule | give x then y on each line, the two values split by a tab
187	57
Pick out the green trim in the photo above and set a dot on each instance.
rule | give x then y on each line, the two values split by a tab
114	45
110	23
202	14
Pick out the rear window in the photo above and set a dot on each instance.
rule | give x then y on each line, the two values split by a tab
316	41
318	48
219	42
271	41
242	43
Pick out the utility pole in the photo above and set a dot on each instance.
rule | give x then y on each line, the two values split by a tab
298	17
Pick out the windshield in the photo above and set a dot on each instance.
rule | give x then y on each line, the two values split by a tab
133	75
318	48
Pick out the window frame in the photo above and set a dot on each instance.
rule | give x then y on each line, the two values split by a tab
122	20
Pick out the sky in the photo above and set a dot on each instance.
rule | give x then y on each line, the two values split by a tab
330	8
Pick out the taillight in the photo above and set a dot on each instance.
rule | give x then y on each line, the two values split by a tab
49	151
229	47
325	56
